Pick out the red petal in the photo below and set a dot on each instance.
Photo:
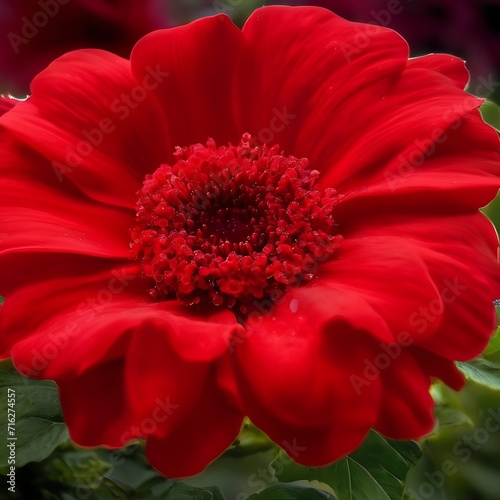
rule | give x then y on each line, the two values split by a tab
401	126
102	138
314	81
379	272
64	332
76	317
407	408
345	97
456	164
460	255
439	367
174	362
39	217
200	337
207	430
469	318
298	372
451	66
129	344
63	302
197	63
95	406
155	375
6	103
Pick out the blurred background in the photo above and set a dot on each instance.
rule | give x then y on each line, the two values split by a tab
33	33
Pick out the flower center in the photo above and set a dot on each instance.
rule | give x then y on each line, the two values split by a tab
232	224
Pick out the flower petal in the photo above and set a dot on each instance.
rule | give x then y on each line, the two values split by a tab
315	82
40	217
197	62
178	365
63	332
407	408
427	103
379	271
461	260
108	417
439	367
314	112
298	379
6	103
155	375
209	428
451	66
98	137
115	340
455	164
200	336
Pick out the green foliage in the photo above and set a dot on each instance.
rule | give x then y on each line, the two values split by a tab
494	345
481	371
450	417
490	112
291	492
251	440
375	471
32	410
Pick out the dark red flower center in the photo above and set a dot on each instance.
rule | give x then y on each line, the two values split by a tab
232	224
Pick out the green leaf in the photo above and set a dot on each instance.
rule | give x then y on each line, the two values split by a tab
494	345
132	470
375	471
180	491
71	473
492	211
490	112
450	417
291	492
33	410
250	440
481	371
76	466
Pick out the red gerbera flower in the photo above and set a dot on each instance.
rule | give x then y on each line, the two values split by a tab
6	103
174	269
36	32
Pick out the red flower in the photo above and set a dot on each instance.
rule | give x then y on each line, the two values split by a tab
6	103
36	32
467	28
316	287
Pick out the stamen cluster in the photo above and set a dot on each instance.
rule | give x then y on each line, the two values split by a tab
232	223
